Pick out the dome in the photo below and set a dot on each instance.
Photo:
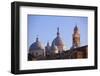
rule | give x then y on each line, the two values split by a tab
54	47
36	45
58	40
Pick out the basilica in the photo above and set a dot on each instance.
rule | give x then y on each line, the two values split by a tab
37	51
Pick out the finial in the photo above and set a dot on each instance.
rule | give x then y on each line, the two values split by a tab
37	38
58	31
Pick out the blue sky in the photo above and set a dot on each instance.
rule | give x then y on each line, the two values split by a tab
46	28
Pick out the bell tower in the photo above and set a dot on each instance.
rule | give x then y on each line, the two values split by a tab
76	37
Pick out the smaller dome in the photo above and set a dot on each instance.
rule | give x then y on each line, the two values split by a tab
36	45
58	40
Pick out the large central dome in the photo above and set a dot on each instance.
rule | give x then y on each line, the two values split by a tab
58	40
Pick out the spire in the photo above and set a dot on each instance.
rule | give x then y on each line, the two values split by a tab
76	37
58	31
75	28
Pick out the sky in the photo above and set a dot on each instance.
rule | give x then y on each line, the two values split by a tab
45	27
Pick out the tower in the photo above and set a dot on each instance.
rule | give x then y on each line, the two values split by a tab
76	37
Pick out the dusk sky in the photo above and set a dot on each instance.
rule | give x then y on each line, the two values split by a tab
45	27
